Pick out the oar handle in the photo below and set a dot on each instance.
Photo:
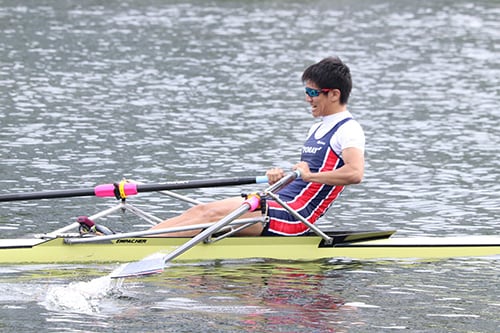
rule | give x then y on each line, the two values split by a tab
283	181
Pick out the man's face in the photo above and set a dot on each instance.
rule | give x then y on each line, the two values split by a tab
317	99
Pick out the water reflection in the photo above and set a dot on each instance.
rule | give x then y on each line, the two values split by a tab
323	296
286	296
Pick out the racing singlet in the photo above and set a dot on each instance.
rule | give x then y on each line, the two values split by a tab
310	200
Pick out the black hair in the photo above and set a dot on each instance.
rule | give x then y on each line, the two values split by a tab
330	73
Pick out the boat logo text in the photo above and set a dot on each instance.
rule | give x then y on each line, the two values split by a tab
131	241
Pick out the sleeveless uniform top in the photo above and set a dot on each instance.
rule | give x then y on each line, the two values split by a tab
310	200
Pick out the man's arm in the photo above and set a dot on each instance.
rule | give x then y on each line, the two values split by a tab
350	173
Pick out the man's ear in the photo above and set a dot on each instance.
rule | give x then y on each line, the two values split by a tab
334	95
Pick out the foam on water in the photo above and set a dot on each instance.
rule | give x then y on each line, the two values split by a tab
82	296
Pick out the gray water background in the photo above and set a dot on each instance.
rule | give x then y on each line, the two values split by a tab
91	92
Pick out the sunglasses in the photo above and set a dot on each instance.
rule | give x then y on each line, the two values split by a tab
315	92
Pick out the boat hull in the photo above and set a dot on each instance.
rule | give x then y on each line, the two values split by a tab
304	248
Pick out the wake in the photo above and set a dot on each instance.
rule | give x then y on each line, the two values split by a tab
81	297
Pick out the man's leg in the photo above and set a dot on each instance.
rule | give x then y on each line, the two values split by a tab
210	212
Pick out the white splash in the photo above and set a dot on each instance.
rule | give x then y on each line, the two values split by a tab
80	297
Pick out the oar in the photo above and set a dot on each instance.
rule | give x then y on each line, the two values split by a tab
157	264
123	189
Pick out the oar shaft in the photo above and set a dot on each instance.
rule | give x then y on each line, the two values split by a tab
250	204
180	185
55	194
108	190
207	232
156	265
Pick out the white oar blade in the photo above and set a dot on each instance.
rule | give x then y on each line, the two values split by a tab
144	267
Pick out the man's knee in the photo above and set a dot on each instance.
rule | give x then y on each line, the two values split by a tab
209	211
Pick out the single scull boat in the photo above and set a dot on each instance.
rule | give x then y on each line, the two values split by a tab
351	245
60	246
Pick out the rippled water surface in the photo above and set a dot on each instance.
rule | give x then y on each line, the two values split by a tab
91	92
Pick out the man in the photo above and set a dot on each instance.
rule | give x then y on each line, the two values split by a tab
332	157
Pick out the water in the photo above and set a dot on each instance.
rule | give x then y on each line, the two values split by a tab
92	92
452	296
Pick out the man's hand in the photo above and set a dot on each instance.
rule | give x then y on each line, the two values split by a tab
303	168
350	173
274	174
